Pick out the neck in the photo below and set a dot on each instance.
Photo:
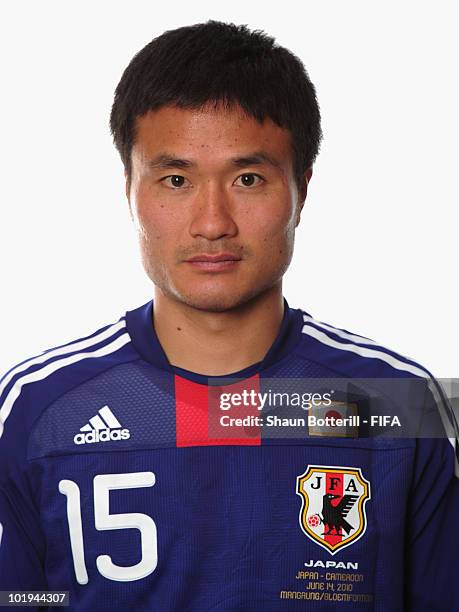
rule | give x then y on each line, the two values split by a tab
217	343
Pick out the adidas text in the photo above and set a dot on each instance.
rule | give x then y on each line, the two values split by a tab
102	435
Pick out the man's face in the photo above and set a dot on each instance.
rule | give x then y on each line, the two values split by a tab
213	182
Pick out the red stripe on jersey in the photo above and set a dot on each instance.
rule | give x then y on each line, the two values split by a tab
334	485
198	414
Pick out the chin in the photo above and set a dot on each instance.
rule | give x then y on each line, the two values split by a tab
221	297
221	301
213	303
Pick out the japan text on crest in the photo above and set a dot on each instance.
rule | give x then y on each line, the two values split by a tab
333	505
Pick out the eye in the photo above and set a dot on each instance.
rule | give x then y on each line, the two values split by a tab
249	179
175	181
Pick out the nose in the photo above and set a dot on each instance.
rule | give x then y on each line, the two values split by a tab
212	216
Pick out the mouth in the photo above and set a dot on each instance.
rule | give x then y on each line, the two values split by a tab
214	263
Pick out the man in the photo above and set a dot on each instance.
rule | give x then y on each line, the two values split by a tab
136	471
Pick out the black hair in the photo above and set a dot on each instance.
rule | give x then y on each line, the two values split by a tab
220	63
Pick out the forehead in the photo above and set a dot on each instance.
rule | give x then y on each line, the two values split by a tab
209	134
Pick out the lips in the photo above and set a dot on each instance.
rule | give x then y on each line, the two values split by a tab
214	258
215	264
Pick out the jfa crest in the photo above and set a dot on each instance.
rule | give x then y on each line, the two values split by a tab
333	505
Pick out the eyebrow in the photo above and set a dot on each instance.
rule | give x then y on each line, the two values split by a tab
258	158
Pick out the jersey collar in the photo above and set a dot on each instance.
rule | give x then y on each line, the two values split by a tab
143	335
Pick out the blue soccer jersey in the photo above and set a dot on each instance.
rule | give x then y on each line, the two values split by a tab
122	483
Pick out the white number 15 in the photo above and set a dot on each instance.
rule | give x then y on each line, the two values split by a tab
103	483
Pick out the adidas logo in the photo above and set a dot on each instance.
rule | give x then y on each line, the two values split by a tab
101	428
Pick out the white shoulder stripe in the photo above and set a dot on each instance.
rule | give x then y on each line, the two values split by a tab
364	351
53	367
344	334
62	350
339	332
397	364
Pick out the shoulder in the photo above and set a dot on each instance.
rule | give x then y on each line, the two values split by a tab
350	354
29	386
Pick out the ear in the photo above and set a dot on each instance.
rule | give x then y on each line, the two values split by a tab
127	190
127	186
302	193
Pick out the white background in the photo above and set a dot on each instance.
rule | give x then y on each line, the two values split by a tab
375	250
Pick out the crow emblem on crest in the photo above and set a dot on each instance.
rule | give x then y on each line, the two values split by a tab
333	517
